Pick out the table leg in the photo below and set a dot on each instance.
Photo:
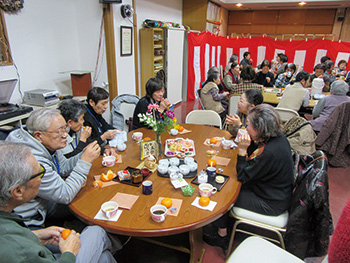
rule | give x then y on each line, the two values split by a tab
196	245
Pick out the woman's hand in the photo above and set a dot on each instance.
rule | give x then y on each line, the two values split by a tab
226	93
268	79
108	135
233	120
71	244
110	152
85	133
164	104
243	143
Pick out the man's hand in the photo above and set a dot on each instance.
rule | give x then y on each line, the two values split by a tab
108	135
91	152
71	244
50	235
85	133
233	120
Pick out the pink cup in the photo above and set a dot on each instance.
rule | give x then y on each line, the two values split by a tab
206	189
109	209
108	161
158	213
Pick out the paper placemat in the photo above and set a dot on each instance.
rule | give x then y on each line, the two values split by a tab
210	207
185	131
105	184
115	218
207	142
221	160
120	160
125	201
176	203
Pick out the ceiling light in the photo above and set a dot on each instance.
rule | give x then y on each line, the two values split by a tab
302	3
239	4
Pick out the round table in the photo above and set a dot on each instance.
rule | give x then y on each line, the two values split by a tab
137	221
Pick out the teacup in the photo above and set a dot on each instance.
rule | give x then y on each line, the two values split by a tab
173	169
226	144
164	162
240	133
184	169
137	136
193	166
206	189
109	209
175	176
174	132
108	161
163	169
188	160
174	161
158	213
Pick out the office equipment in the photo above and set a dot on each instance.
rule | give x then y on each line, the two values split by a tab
42	97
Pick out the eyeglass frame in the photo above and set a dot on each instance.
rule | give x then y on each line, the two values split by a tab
59	132
41	173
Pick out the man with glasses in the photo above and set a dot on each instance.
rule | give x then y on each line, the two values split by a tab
47	133
20	176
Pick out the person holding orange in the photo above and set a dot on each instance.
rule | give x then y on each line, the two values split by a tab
19	183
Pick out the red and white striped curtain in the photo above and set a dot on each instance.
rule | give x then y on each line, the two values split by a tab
206	50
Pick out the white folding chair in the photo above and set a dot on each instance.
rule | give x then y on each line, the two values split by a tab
286	114
256	249
233	104
204	117
200	99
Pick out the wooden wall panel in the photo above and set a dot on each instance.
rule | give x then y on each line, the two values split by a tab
265	17
292	16
319	29
290	29
267	29
240	17
238	29
194	14
320	16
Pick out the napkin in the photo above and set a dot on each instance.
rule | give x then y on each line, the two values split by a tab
125	201
105	184
115	218
119	138
221	160
185	131
176	203
210	207
207	142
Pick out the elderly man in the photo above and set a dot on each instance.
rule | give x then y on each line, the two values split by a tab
47	133
20	176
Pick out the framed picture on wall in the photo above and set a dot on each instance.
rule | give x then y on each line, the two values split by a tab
125	41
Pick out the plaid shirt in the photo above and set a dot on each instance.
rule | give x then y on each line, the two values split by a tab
241	88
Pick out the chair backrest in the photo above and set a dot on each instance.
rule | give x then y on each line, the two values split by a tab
286	114
128	111
221	72
199	91
123	111
204	117
233	104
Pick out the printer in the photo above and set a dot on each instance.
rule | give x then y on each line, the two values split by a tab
41	97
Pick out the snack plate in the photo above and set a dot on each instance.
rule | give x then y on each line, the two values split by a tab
129	182
213	183
184	147
189	176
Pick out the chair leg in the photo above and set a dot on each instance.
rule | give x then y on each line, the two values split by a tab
230	244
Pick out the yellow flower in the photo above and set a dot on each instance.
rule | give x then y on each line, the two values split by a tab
174	120
176	126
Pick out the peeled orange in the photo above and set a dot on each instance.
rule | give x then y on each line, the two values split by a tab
146	138
204	201
211	162
65	233
97	184
107	177
213	141
167	202
181	129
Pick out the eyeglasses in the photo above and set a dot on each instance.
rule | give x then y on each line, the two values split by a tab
40	174
61	131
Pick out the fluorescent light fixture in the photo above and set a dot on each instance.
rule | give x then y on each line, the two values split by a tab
302	3
239	4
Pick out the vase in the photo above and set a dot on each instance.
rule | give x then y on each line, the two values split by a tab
159	142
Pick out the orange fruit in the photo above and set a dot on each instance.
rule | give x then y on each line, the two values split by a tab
97	184
65	233
181	129
204	201
107	177
167	202
146	138
211	162
213	141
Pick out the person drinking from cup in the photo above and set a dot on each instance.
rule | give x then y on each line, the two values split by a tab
154	94
285	78
47	134
101	130
248	100
265	169
73	112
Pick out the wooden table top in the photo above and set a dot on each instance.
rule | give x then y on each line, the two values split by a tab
271	97
137	221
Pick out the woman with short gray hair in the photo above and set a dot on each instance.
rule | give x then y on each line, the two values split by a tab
73	112
326	105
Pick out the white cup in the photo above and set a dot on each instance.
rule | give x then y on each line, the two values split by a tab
174	132
173	169
184	169
202	178
137	136
193	166
164	162
226	144
158	213
206	189
109	209
175	176
163	169
188	160
108	161
174	161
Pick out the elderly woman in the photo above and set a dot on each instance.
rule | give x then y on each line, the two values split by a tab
154	94
247	75
73	112
265	77
319	72
264	167
248	100
211	97
233	59
231	77
296	95
285	78
326	105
